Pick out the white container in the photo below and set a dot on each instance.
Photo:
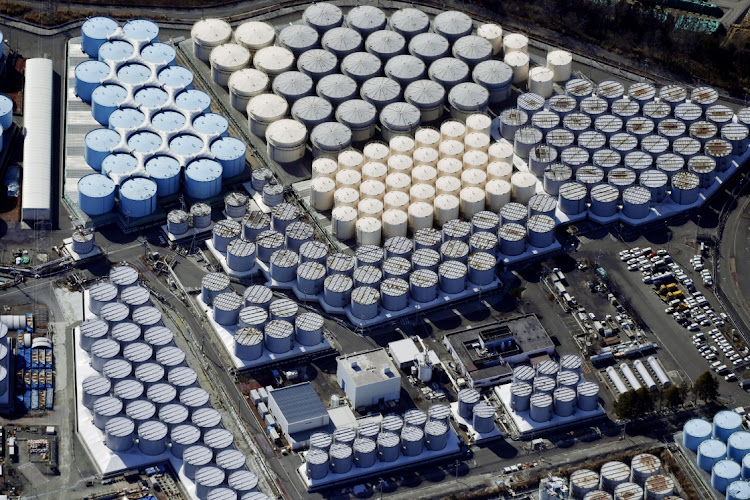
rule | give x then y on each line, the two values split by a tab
400	163
273	60
424	174
425	155
395	223
422	193
451	148
446	208
420	216
396	200
244	85
560	62
286	141
519	63
501	151
207	34
264	109
447	185
523	186
254	35
372	189
515	42
324	167
450	167
427	137
493	33
346	197
226	59
322	191
370	207
376	152
472	200
541	80
368	231
499	170
343	221
375	171
398	182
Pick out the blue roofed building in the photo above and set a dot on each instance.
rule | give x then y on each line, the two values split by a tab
297	408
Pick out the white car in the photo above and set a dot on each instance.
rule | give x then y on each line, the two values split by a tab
731	377
693	327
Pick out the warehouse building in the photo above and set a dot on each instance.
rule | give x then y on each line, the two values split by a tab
368	378
297	408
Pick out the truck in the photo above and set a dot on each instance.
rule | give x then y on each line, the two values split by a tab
676	295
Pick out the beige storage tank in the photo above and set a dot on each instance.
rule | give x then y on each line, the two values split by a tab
497	193
420	216
273	60
479	122
376	151
475	160
244	85
493	33
473	177
499	170
541	80
368	231
208	34
400	163
452	129
396	200
398	182
322	190
451	148
372	189
425	155
523	186
424	174
351	159
472	201
286	140
422	192
263	110
370	207
226	59
477	141
519	63
395	223
448	185
374	170
348	178
345	197
343	222
401	145
561	64
427	137
254	35
324	167
515	42
501	151
446	208
451	167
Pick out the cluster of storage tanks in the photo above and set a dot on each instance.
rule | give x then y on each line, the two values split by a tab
722	448
145	396
159	136
4	358
643	379
259	321
479	414
438	176
609	150
339	76
353	451
643	479
552	388
418	270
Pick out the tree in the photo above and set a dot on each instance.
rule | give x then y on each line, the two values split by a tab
625	407
672	397
706	387
644	403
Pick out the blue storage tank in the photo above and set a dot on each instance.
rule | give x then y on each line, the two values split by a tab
168	120
89	75
94	32
126	118
134	73
116	51
176	77
159	53
105	99
230	152
98	144
151	97
138	197
725	423
193	100
746	467
165	171
694	432
96	194
118	164
710	451
723	473
203	178
211	124
738	445
144	141
6	111
187	145
142	30
738	490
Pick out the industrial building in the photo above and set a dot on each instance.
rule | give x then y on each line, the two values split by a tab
486	355
297	408
36	202
368	378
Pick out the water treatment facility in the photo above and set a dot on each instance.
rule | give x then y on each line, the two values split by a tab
400	250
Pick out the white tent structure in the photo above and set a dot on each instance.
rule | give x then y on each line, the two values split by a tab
37	151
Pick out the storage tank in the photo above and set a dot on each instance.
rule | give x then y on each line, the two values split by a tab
283	266
564	401
452	25
468	98
126	332
330	138
253	316
452	275
227	308
226	59
150	373
540	407
118	433
429	47
389	446
555	176
541	81
267	243
409	22
520	395
183	436
88	76
472	49
394	294
685	188
628	491
583	482
738	445
723	473
94	388
94	32
525	140
195	457
412	441
483	418
423	285
738	490
116	51
152	438
106	408
467	399
341	458
100	143
604	200
736	134
161	394
427	238
613	474
658	487
540	230
644	466
248	343
710	452
725	423
721	151
579	89
207	478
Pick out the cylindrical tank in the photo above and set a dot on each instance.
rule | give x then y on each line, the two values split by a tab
412	441
429	47
423	285
195	457
483	419
520	396
564	401
278	336
467	399
310	276
723	473
627	491
248	343
394	294
738	490
656	182
725	423
604	200
644	466
613	474
337	290
685	188
213	284
227	308
540	231
540	407
119	433
468	98
512	239
710	452
152	438
341	458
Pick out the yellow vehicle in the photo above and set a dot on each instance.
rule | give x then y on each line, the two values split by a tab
676	295
681	307
672	287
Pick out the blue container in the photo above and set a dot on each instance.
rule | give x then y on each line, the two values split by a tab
6	112
694	432
144	142
96	194
168	121
126	119
159	53
211	124
738	490
746	468
176	77
738	445
165	171
142	30
98	144
134	73
193	100
89	75
230	152
187	145
117	165
105	99
137	197
711	451
151	97
94	32
724	473
116	51
203	179
725	423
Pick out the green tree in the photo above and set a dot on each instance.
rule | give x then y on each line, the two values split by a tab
626	405
671	397
706	387
644	403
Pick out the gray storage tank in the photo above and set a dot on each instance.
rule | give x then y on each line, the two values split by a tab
316	463
95	387
685	188
152	437
183	436
361	66
656	182
213	284
540	407
342	41
341	458
118	434
248	343
483	418
279	336
409	22
195	457
452	25
429	47
394	294
467	399
385	44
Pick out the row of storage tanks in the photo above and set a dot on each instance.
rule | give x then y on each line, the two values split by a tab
433	263
595	145
159	136
353	451
339	80
259	321
552	389
643	379
426	181
479	414
4	358
722	448
643	479
146	396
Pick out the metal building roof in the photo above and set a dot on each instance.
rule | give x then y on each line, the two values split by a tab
298	403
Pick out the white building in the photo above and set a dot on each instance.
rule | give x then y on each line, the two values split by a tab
297	408
368	378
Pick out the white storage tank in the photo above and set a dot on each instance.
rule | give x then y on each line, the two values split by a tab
208	34
429	47
360	116
409	22
636	202
226	59
560	62
385	44
541	81
452	25
468	98
523	186
361	66
336	88
472	49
